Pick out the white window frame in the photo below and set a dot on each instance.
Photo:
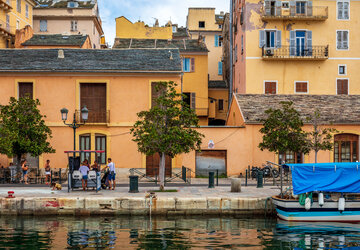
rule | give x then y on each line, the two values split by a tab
340	65
274	30
299	93
72	25
277	86
288	4
46	26
337	10
336	39
342	78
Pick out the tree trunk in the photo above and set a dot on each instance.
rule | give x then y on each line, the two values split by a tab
162	171
316	152
18	167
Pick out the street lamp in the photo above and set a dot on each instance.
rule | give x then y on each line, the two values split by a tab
74	125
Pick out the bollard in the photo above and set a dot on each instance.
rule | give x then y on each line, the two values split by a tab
246	177
236	185
217	177
260	178
249	172
134	184
60	176
211	179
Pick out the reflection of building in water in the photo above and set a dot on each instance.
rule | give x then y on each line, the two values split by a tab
91	238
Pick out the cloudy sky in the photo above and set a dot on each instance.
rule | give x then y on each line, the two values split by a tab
147	10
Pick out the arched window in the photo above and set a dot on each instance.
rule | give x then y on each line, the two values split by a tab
346	148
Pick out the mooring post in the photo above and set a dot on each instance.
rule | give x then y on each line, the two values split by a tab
246	177
281	180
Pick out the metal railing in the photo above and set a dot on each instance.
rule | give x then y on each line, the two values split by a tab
293	53
294	12
95	117
183	174
7	28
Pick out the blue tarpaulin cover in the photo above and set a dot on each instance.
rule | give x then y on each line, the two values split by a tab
326	177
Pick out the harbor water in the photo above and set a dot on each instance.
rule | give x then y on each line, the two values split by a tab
173	233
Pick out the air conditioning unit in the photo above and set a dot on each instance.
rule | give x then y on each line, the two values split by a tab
269	52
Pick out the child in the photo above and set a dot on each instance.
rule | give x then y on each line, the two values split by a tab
84	170
47	172
56	186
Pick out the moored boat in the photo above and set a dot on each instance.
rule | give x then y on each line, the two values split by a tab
322	192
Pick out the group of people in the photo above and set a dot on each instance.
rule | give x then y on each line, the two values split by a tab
85	168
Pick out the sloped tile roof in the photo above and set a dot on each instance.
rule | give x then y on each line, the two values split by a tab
181	32
217	85
90	60
56	40
334	109
183	45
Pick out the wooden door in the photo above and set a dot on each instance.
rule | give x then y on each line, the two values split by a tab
152	165
93	96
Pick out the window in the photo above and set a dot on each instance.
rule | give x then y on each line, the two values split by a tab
174	30
189	64
100	144
220	26
190	100
342	70
218	41
85	144
43	25
346	148
270	38
342	86
220	68
74	25
221	104
301	87
26	10
290	157
72	4
25	89
342	39
285	5
202	24
300	7
242	44
155	93
18	6
236	53
270	88
343	9
17	24
93	96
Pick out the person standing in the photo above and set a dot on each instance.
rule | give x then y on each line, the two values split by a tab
112	173
47	172
84	170
25	169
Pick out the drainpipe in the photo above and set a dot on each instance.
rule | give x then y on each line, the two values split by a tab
231	52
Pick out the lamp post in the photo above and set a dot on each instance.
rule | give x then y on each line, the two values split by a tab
74	125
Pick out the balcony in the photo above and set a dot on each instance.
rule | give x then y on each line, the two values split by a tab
5	5
296	53
6	30
95	117
307	13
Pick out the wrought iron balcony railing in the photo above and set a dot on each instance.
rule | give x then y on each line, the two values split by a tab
6	29
296	53
5	5
314	13
95	116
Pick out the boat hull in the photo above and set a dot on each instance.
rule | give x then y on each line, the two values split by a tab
291	210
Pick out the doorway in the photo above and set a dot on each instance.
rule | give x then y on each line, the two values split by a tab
300	43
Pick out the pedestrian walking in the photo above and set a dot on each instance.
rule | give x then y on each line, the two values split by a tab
47	172
25	169
84	170
112	173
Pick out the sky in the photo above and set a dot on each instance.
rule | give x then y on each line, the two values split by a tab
148	10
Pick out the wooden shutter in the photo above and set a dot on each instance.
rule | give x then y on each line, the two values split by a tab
292	43
346	10
192	65
267	8
345	40
301	87
193	101
270	88
278	5
309	6
220	68
309	41
339	39
278	39
93	96
216	40
261	38
342	87
340	10
292	4
26	89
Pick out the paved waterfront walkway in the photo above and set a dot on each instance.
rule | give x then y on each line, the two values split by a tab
121	192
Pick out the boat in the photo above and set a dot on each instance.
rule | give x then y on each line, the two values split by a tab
321	192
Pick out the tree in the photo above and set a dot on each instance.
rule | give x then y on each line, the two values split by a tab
282	131
320	138
23	129
167	128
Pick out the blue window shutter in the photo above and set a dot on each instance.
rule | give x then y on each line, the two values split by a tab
278	39
261	38
292	43
220	69
186	64
216	40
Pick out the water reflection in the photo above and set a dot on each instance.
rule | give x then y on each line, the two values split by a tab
179	233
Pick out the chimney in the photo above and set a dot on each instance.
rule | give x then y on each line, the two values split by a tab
222	13
61	54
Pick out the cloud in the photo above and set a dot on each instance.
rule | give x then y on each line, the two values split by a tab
148	10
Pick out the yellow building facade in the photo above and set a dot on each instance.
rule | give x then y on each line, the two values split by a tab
126	29
14	15
296	47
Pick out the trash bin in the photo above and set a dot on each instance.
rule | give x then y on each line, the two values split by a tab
211	179
134	184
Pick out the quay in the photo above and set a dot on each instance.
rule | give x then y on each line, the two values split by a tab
188	200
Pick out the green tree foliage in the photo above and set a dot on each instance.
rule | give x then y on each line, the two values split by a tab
23	129
320	138
167	128
282	131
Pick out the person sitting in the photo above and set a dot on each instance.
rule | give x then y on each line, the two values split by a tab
84	170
